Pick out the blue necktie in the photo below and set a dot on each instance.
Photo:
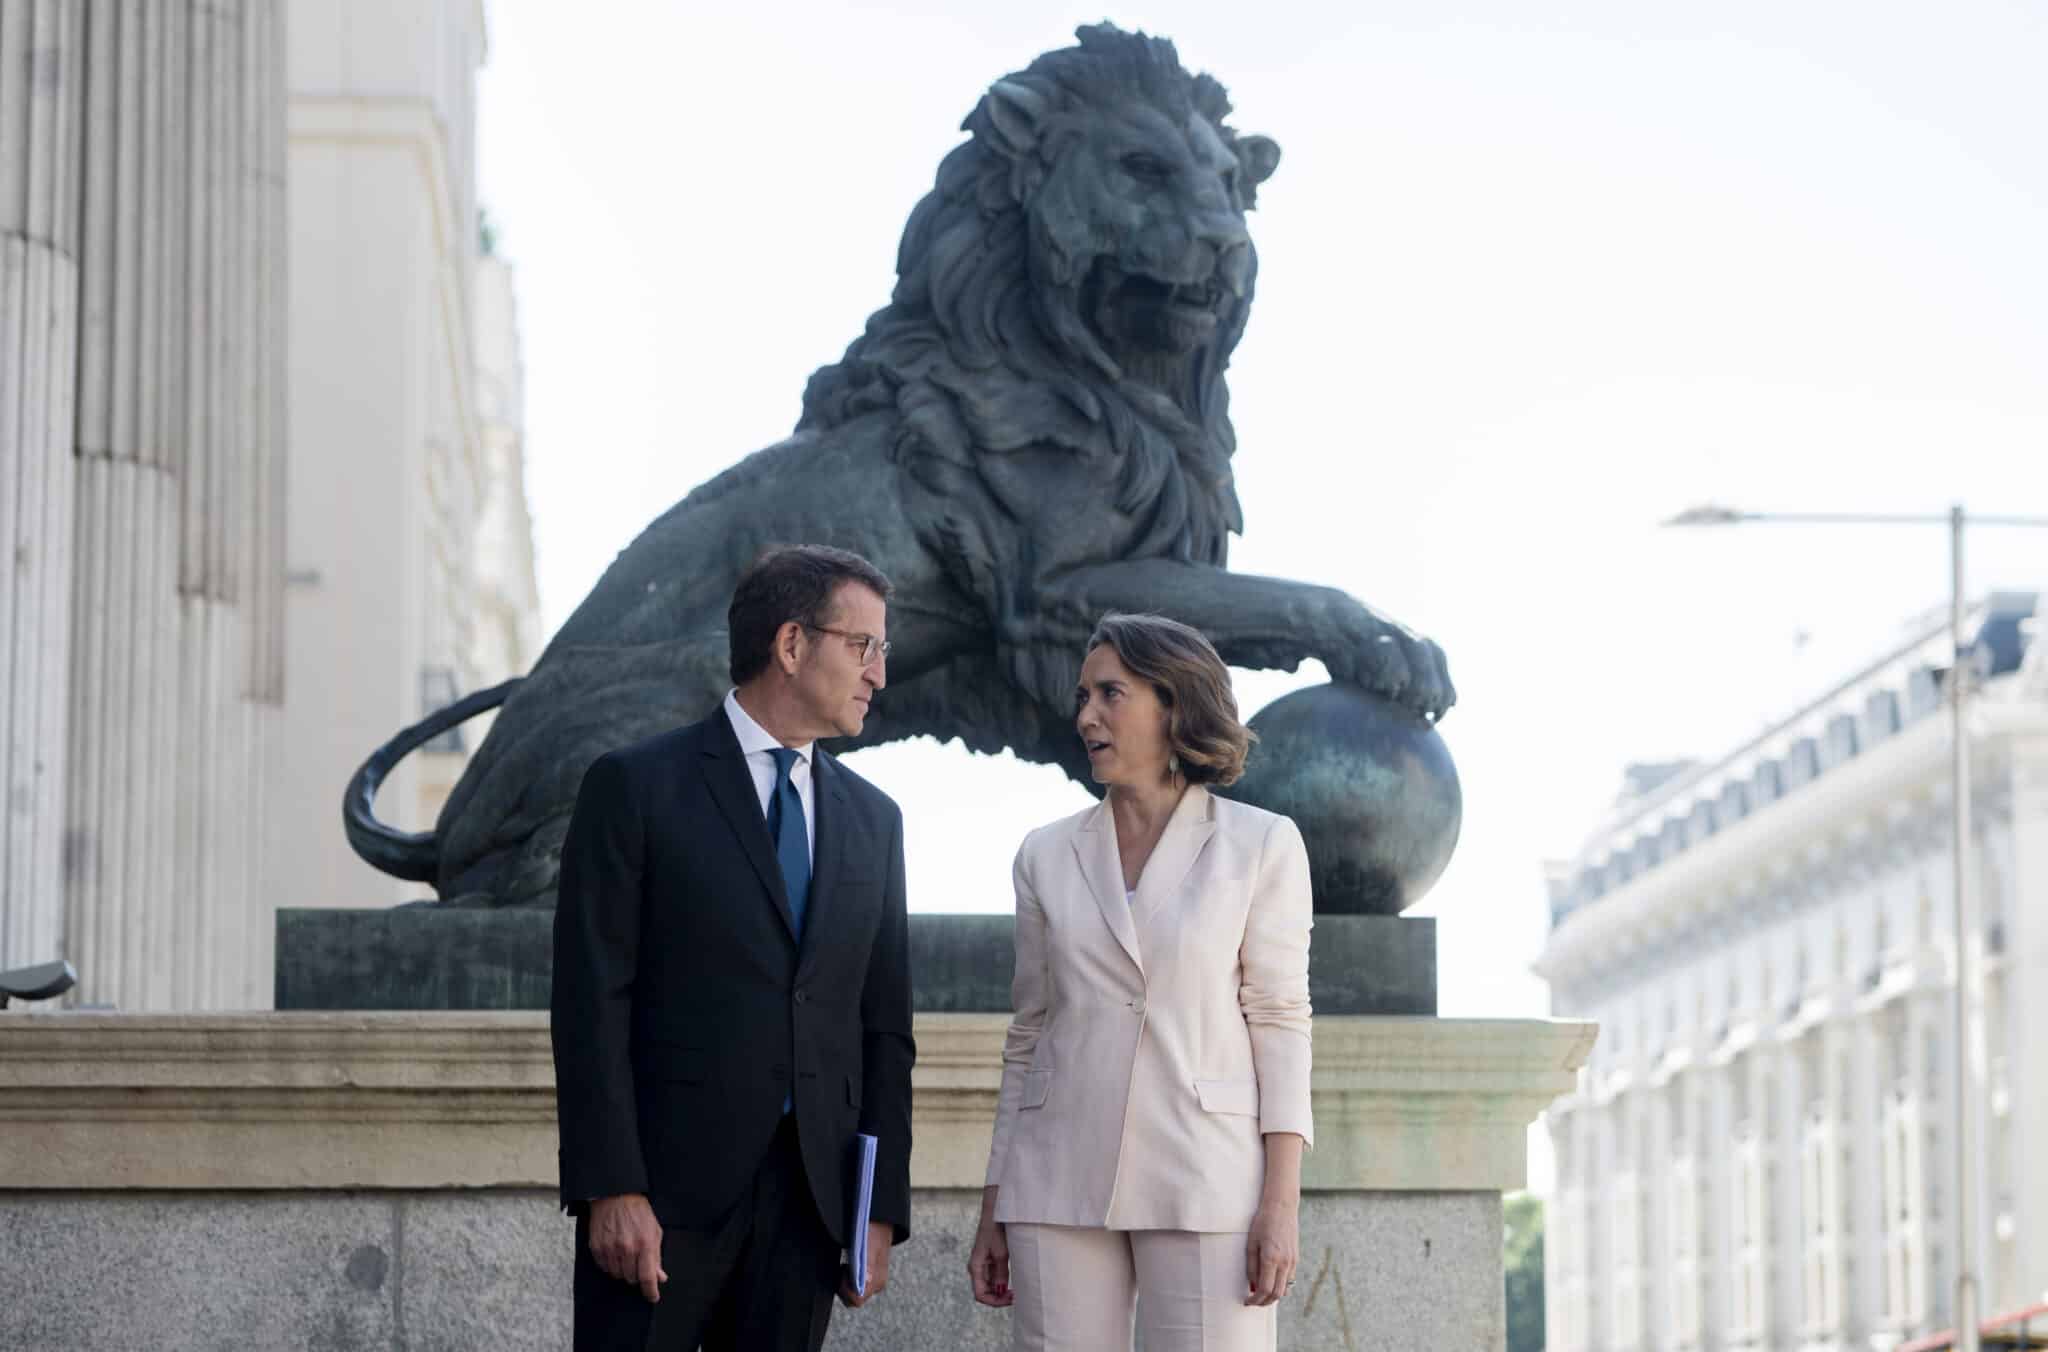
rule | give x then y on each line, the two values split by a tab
792	844
792	840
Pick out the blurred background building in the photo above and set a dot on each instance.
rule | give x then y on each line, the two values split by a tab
410	551
1759	1156
260	465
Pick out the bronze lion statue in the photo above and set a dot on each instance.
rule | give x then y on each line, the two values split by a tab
1034	431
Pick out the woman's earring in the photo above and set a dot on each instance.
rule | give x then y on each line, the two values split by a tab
1173	767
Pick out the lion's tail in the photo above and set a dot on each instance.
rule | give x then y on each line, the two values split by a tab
414	855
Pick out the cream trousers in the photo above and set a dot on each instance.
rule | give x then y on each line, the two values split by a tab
1077	1288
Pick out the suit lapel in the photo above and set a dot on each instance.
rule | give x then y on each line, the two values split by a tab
732	788
1095	848
1180	845
828	854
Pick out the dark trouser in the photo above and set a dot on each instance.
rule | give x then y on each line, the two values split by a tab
760	1279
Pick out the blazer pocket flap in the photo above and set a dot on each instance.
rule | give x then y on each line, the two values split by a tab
1037	1084
1229	1096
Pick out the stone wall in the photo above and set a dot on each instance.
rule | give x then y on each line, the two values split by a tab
384	1181
453	1271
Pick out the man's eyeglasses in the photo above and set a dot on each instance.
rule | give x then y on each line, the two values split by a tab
871	647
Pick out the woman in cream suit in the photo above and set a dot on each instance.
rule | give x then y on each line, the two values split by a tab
1155	1099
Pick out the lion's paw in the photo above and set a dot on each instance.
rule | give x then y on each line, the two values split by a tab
1392	662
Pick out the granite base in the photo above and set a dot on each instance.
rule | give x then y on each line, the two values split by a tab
440	1271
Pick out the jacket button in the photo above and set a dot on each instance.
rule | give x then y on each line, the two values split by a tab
801	997
1137	1006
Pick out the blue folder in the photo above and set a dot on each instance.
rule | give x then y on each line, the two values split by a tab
863	1200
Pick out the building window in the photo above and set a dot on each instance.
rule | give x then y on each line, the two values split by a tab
1687	1247
1819	1202
1905	1221
1629	1286
1752	1268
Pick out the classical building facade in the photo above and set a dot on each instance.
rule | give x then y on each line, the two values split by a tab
495	601
1759	1156
410	548
261	487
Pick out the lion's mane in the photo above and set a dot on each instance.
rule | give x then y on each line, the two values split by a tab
983	348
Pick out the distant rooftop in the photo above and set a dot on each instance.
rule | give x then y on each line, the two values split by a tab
1667	807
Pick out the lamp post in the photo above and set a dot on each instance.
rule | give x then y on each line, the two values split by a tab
1969	1054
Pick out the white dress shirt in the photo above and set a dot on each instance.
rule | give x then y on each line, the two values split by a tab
755	744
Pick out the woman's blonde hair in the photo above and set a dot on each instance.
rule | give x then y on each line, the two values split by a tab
1207	742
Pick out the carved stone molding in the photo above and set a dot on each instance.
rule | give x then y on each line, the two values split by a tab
429	1100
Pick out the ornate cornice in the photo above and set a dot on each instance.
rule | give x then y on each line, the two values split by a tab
1882	812
1900	692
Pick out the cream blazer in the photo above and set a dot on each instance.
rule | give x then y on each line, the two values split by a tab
1155	1040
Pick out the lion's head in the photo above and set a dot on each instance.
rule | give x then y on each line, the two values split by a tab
1078	277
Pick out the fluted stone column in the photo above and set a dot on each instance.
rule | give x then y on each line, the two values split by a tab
177	563
41	81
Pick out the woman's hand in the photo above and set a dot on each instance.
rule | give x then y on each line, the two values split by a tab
988	1262
1272	1251
1273	1248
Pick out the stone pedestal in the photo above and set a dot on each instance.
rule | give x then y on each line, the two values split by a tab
376	1180
446	957
419	956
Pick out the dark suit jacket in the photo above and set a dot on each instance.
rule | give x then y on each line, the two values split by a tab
684	1008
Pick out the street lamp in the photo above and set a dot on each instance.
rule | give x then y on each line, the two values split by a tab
1966	1294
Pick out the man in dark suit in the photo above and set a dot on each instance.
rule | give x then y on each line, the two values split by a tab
732	991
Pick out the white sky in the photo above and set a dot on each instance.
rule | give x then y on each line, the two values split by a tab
1528	284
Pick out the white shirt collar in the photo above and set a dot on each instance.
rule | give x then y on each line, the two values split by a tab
753	738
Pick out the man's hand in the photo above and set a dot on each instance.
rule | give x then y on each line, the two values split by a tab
625	1239
880	1237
